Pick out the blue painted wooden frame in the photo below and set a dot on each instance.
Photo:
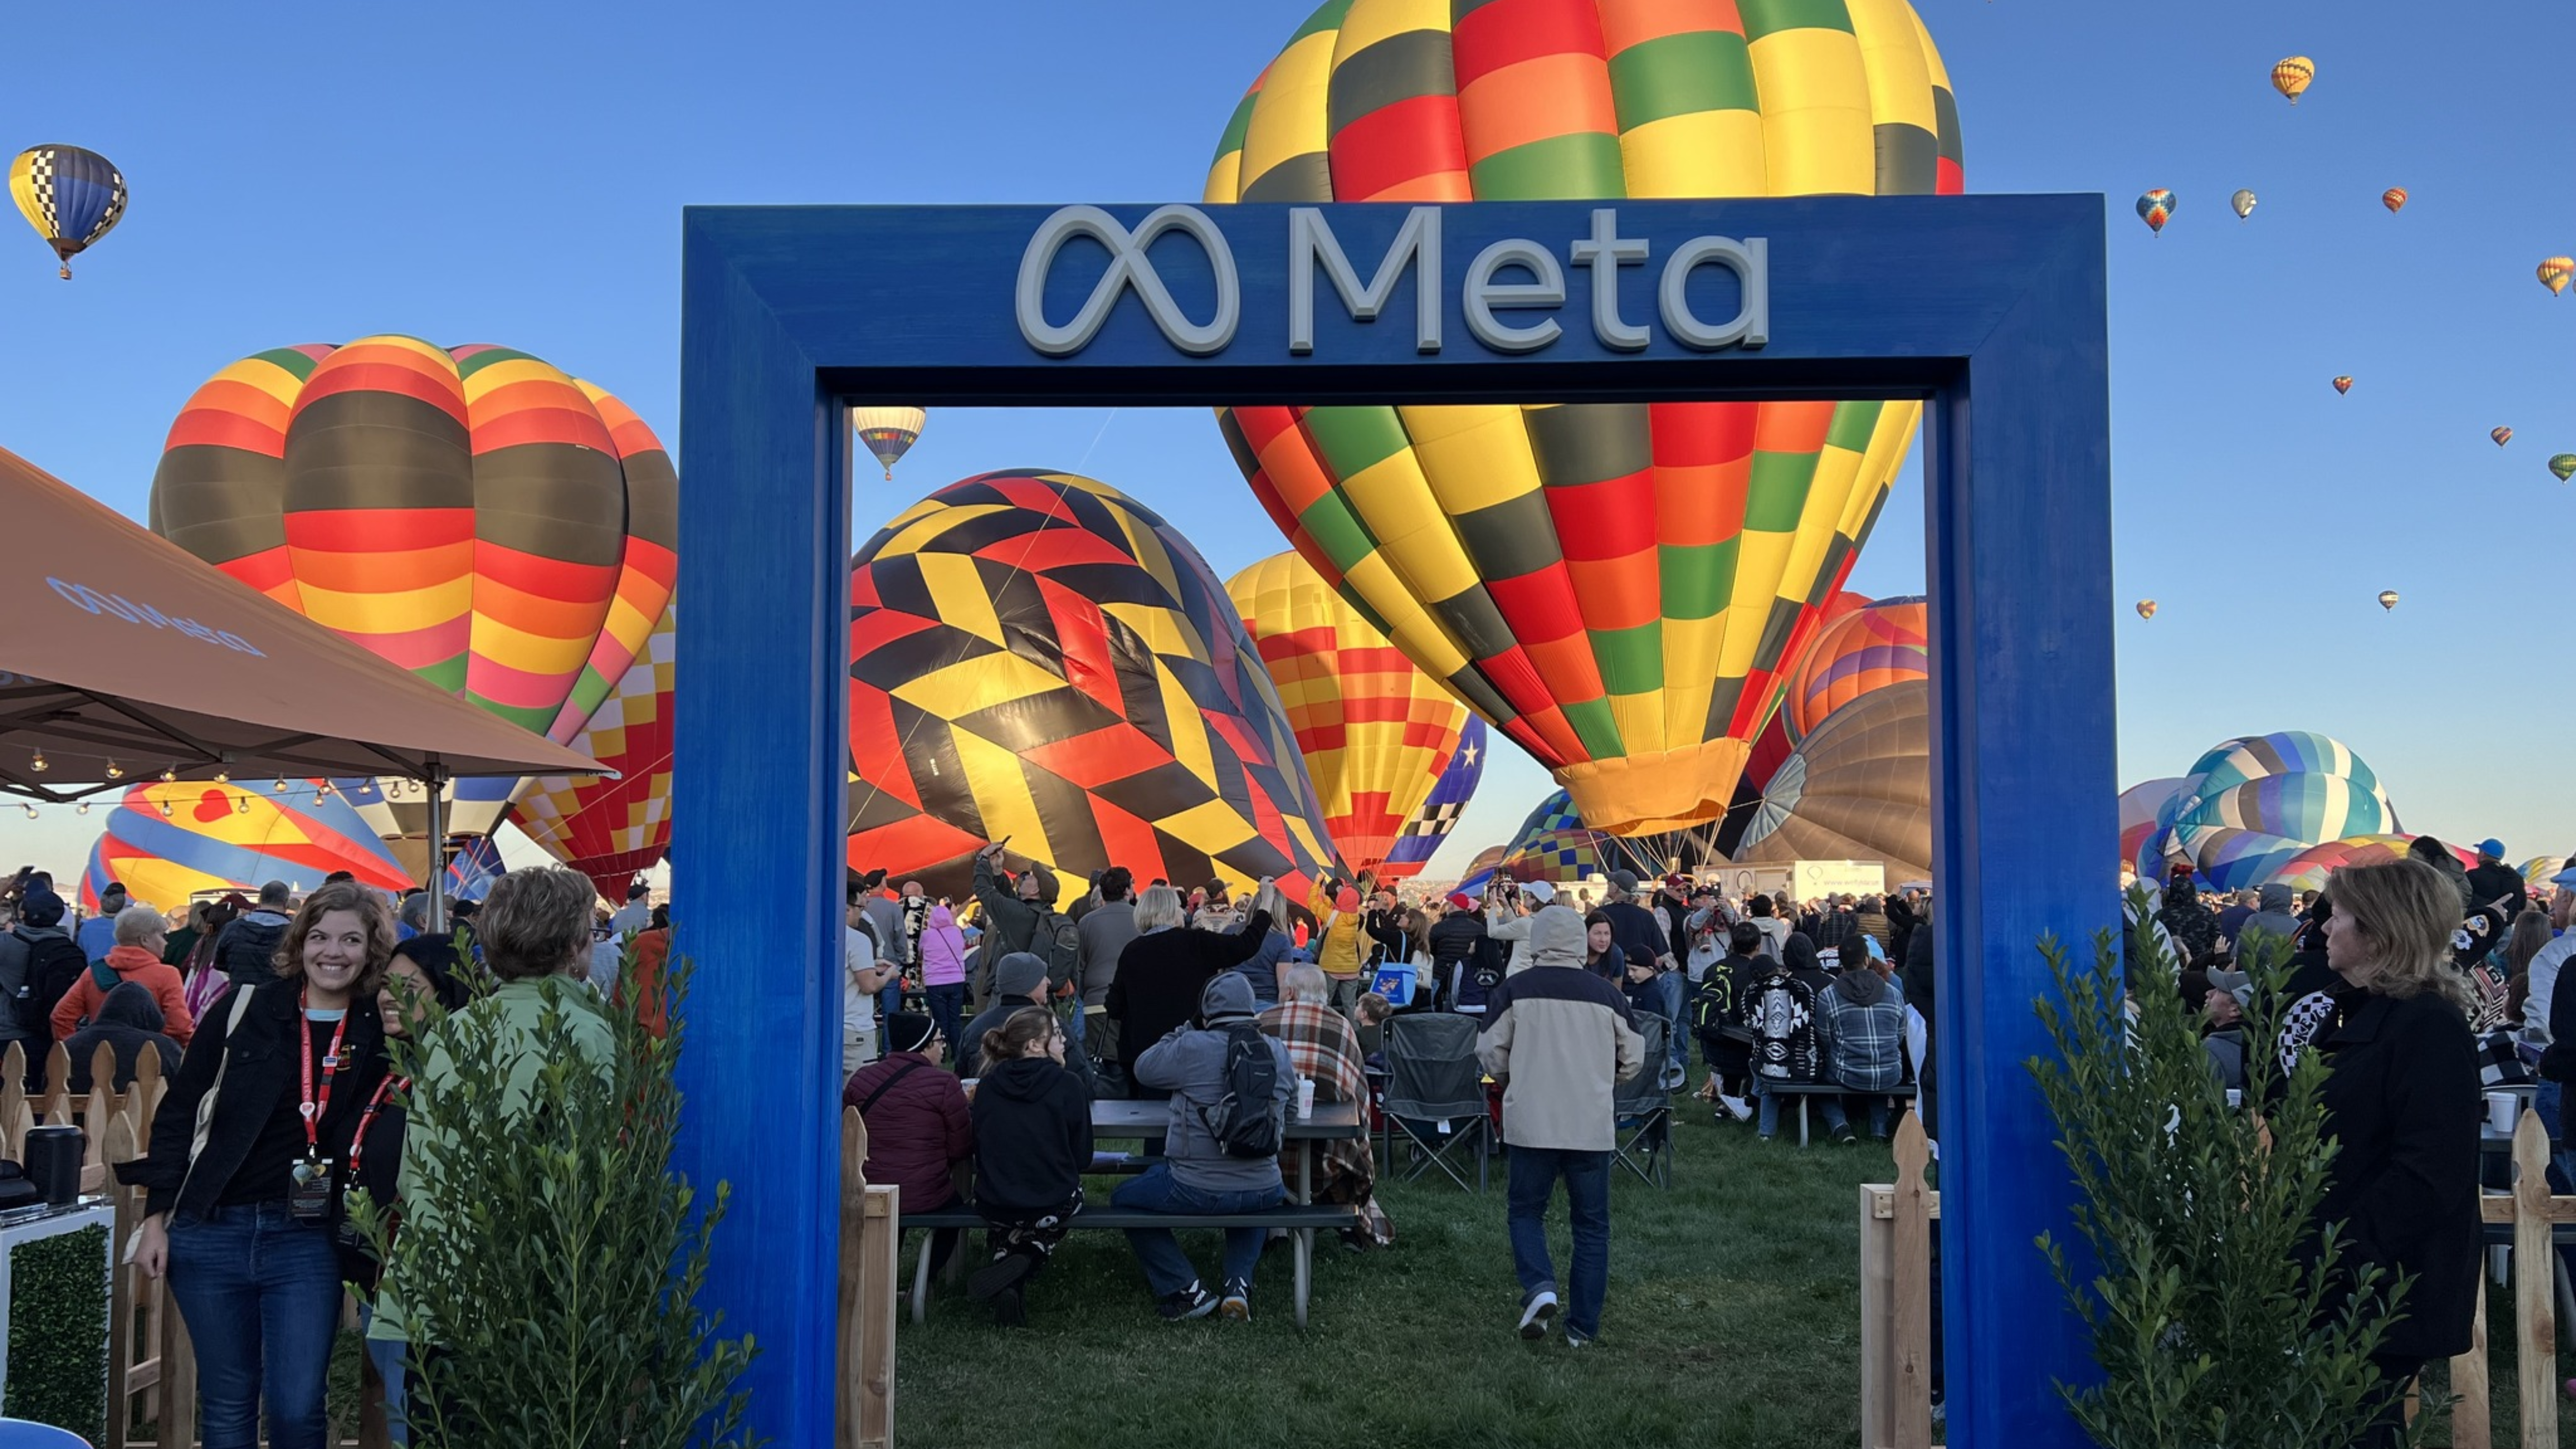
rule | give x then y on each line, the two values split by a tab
1992	308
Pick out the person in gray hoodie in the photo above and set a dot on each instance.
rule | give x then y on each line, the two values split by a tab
1196	1174
2272	918
247	950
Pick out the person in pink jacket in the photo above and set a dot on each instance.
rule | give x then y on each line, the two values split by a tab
943	970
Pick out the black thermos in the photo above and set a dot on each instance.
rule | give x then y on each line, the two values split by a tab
54	1162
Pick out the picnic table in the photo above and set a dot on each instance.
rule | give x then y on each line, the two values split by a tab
1331	1121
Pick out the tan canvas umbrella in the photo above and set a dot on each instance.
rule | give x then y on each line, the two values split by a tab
121	656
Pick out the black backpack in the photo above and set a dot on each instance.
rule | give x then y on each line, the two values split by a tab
1242	1121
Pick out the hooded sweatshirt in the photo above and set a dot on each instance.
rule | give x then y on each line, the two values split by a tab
1560	1041
2273	919
144	969
129	1023
1032	1139
1190	1064
247	950
943	949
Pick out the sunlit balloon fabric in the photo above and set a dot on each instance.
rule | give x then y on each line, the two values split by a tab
888	433
1859	788
1376	732
2140	805
71	196
472	514
1037	657
1439	812
609	829
2250	805
2538	869
1554	845
2311	868
1616	587
210	842
1889	641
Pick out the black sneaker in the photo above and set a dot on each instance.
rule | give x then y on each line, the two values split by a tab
1236	1306
1006	1271
1010	1307
1191	1302
1844	1136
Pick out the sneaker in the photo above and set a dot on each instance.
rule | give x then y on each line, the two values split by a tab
1191	1302
1004	1272
1845	1137
1536	1312
1010	1307
1576	1340
1676	1079
1236	1306
1738	1107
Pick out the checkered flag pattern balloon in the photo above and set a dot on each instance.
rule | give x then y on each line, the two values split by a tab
608	829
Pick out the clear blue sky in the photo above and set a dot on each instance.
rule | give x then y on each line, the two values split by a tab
514	173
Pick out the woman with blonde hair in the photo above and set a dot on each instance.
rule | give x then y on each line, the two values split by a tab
2401	1097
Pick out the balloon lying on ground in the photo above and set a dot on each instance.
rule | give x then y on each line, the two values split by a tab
71	196
1871	648
1554	845
2250	805
1438	814
2140	807
2310	869
1376	732
168	843
1615	587
611	828
1859	788
1036	657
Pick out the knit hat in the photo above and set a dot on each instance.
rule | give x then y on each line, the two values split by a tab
41	908
1228	997
908	1031
1018	974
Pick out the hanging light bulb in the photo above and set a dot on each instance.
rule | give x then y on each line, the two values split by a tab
40	765
322	791
31	811
244	807
170	776
280	786
223	777
165	809
82	808
113	772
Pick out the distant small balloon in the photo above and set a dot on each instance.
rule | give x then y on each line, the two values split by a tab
2243	201
2291	76
2155	209
2146	608
2555	271
2394	198
2502	436
2343	384
2388	598
2564	465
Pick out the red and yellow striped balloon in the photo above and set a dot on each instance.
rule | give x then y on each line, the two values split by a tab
472	514
1871	648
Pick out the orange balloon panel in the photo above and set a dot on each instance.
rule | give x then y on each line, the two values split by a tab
1871	649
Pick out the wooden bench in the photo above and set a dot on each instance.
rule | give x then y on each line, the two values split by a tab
1301	1221
1901	1092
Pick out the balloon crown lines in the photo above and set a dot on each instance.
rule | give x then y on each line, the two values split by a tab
1507	279
89	600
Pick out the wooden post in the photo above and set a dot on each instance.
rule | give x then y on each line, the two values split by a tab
1877	1315
2535	1325
119	1147
13	1099
2473	1417
870	1229
56	1104
1896	1299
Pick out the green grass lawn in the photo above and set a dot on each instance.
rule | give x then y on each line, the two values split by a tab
1733	1320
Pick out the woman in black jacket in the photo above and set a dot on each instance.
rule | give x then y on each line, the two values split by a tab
1162	971
1032	1144
2401	1096
243	1214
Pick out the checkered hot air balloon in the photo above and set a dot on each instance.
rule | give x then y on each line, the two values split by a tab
1038	658
500	528
1554	845
2251	805
1438	814
168	843
1375	731
72	197
609	829
1617	587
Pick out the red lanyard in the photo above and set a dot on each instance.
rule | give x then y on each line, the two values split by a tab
313	1106
358	1144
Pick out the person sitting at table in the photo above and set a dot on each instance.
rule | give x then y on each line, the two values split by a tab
1198	1174
1324	1048
1161	972
1019	982
1032	1120
918	1127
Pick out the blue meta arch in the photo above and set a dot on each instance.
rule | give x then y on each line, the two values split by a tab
1990	308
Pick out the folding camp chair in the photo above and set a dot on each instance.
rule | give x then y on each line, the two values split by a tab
1645	1110
1433	1079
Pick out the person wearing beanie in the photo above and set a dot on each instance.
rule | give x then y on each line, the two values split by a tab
1019	979
39	962
1197	1174
97	935
917	1120
1162	971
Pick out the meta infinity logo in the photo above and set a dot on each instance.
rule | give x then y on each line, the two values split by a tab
1487	290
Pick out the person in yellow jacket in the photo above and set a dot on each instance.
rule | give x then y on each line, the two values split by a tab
1337	945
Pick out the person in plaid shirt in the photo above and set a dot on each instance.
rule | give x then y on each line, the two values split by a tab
1322	1046
1863	1016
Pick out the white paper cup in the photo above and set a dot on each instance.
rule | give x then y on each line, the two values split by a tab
2502	1108
2235	1099
1305	1096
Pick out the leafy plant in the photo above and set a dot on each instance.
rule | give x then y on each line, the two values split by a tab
2219	1315
548	1260
58	1332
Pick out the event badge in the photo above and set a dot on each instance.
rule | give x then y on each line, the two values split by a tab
308	1196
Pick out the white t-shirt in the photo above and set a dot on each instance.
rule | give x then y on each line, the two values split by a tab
858	1008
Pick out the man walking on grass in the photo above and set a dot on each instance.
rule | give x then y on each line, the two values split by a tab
1560	1040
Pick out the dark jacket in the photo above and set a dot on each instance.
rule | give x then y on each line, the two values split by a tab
38	965
247	950
1037	927
1918	977
1032	1139
1454	942
2490	884
1633	928
918	1127
2401	1095
970	1046
1161	974
1836	929
264	1064
129	1021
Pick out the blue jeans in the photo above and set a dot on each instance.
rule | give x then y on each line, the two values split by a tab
1668	1002
1167	1268
392	1358
889	1001
948	1009
1830	1109
261	1296
1534	1171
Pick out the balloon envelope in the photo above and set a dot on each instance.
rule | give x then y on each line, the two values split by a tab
611	828
2564	465
2244	203
2502	436
2155	208
1872	648
2394	198
2554	272
1438	815
1859	788
2311	868
1616	587
889	433
2251	804
2538	869
2140	807
1554	845
209	842
2292	76
71	196
1038	657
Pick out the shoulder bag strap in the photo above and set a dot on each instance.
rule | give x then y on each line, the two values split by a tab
909	1062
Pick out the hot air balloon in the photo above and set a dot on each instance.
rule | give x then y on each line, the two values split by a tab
1038	657
1859	788
2140	805
2250	804
1438	814
1375	731
2388	598
2291	77
2343	384
70	196
472	514
2146	608
1554	845
475	869
1862	651
1616	587
2311	868
888	432
2155	209
2538	869
609	829
2502	436
170	843
2564	465
2554	273
2394	198
2243	201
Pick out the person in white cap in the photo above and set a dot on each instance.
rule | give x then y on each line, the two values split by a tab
1511	920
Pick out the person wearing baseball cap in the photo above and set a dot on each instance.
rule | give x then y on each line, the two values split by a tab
2494	883
1458	957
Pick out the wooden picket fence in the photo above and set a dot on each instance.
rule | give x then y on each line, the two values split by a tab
1896	1226
871	1233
